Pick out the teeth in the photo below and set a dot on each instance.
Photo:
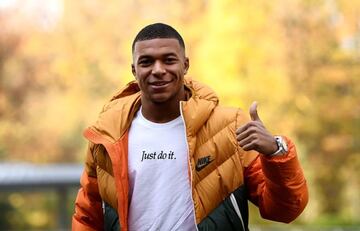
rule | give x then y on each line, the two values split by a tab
159	84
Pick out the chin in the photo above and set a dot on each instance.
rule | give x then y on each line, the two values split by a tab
159	100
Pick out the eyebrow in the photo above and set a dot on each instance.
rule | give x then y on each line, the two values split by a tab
163	55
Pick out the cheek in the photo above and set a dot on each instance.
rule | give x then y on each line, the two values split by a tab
141	78
179	71
140	75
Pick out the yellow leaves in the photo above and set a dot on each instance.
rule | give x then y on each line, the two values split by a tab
30	210
336	143
290	56
303	103
16	200
37	218
335	75
239	48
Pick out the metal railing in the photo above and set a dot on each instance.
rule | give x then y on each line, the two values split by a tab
16	177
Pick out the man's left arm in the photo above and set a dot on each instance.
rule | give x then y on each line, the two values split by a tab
275	183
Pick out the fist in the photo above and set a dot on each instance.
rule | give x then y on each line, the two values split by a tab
254	136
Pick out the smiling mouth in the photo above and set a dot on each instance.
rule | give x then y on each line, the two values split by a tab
159	83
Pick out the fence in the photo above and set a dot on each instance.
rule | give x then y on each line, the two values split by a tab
28	177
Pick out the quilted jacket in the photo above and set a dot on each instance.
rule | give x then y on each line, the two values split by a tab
220	190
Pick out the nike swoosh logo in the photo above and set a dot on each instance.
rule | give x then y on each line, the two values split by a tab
203	162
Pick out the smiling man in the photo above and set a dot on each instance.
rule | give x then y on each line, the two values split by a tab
164	155
159	68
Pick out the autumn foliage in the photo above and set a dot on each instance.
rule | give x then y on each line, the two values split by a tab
299	59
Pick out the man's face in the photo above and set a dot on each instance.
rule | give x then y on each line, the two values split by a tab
159	66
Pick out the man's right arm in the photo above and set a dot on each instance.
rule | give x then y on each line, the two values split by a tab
88	205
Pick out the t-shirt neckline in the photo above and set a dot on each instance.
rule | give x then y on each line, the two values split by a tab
166	125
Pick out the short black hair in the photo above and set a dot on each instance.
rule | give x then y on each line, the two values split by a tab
158	30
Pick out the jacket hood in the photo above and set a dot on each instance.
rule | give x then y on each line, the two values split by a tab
116	116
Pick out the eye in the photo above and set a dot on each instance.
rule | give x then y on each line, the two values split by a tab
145	62
170	60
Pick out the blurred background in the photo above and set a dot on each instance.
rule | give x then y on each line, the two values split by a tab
61	60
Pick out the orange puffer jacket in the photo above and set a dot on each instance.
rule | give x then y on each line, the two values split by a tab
223	176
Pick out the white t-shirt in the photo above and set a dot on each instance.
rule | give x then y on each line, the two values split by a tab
159	192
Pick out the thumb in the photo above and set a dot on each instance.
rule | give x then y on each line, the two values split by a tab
253	112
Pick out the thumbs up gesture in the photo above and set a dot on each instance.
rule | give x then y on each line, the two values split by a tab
254	136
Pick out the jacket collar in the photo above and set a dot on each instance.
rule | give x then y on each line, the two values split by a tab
116	116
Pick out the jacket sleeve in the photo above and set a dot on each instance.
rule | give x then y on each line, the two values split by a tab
88	204
277	185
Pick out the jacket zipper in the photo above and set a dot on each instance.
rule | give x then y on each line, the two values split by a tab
189	165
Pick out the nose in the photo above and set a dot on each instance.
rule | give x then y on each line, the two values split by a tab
158	68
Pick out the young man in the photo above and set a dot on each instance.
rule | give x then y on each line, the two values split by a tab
164	155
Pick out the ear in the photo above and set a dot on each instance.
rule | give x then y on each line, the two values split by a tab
133	70
186	65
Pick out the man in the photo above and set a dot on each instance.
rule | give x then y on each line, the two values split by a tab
164	155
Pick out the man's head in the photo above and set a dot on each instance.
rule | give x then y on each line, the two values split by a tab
158	30
159	64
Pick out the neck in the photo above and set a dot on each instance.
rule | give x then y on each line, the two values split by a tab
162	112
